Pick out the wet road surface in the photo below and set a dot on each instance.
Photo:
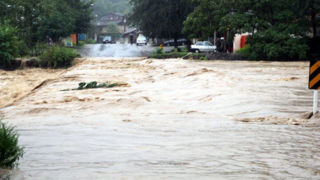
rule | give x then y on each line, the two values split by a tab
177	119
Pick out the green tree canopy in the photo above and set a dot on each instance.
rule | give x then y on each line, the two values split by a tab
280	29
38	19
204	21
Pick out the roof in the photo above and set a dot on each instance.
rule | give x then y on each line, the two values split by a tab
106	23
108	19
130	30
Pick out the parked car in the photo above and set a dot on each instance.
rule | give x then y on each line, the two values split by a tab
203	46
108	40
181	42
141	40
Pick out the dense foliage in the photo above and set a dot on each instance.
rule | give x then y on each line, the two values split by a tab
204	21
8	45
58	57
39	20
160	18
280	29
10	151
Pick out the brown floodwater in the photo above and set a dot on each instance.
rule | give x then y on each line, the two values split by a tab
176	119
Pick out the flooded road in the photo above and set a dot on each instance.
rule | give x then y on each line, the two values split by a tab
177	119
115	50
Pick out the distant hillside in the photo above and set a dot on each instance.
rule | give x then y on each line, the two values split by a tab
104	7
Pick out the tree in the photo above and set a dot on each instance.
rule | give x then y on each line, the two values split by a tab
277	32
279	29
81	12
38	19
310	9
204	21
8	45
57	22
160	18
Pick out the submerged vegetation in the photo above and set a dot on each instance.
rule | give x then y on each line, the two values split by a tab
95	85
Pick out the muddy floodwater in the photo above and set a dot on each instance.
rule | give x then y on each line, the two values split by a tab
176	119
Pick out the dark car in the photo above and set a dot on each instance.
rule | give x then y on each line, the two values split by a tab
108	40
181	42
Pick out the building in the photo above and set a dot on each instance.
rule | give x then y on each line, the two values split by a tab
101	27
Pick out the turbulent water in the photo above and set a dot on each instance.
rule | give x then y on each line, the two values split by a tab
115	50
176	119
15	85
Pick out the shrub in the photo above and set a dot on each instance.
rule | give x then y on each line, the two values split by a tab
10	151
158	51
244	52
274	44
203	58
81	43
91	41
40	47
169	55
58	57
8	45
23	49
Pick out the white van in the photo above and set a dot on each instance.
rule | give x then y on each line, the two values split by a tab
141	40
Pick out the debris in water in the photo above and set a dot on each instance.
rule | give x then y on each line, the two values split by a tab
95	85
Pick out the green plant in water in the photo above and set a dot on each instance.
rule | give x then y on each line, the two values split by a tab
81	85
10	151
94	85
91	85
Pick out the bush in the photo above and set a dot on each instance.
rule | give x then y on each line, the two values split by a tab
23	49
81	43
8	45
274	44
158	51
91	41
244	52
39	48
169	55
58	57
10	152
203	58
